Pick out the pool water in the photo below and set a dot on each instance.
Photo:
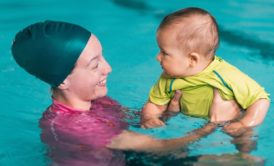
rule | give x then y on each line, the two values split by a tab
126	29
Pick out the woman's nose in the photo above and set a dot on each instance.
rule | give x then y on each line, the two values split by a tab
106	67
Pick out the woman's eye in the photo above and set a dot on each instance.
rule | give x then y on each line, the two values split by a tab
96	66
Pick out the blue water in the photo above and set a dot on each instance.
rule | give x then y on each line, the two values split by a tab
126	29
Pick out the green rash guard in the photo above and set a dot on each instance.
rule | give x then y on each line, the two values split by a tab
197	90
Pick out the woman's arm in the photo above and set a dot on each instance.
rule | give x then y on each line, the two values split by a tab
128	140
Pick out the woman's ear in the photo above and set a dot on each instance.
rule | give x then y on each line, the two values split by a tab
194	59
65	84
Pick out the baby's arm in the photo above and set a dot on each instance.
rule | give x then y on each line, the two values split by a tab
151	114
253	116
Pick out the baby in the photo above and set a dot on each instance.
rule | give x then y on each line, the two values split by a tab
210	87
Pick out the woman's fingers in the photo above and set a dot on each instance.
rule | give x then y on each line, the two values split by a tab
174	105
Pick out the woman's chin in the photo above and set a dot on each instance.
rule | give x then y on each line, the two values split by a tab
102	93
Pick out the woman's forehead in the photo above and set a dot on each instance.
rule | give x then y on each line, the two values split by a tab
92	50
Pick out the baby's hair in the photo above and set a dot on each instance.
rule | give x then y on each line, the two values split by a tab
198	30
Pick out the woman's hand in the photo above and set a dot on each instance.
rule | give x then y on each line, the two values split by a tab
174	104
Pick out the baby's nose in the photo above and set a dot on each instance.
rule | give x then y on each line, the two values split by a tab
159	57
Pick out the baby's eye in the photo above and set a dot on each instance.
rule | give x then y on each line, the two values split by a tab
164	53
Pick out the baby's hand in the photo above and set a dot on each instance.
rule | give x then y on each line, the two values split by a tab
235	128
153	122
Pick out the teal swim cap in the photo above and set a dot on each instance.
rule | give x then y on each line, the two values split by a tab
50	49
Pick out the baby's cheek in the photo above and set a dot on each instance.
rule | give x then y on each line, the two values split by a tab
177	70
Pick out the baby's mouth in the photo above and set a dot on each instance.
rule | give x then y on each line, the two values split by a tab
102	83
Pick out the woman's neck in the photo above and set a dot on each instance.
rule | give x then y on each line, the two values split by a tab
71	101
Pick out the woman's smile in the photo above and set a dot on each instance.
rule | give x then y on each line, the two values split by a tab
102	83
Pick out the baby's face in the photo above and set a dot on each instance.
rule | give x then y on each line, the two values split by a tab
172	57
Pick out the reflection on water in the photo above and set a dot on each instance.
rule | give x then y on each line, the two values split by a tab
215	160
237	38
251	42
181	158
133	4
244	144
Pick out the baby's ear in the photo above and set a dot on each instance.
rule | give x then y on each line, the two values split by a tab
65	84
194	58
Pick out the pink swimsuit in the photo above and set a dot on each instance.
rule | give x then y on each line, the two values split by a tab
77	138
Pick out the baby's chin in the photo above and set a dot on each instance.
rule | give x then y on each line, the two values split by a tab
167	75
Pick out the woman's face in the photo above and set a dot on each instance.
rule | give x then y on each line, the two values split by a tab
88	79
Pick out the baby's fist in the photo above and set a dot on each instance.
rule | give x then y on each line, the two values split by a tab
152	123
